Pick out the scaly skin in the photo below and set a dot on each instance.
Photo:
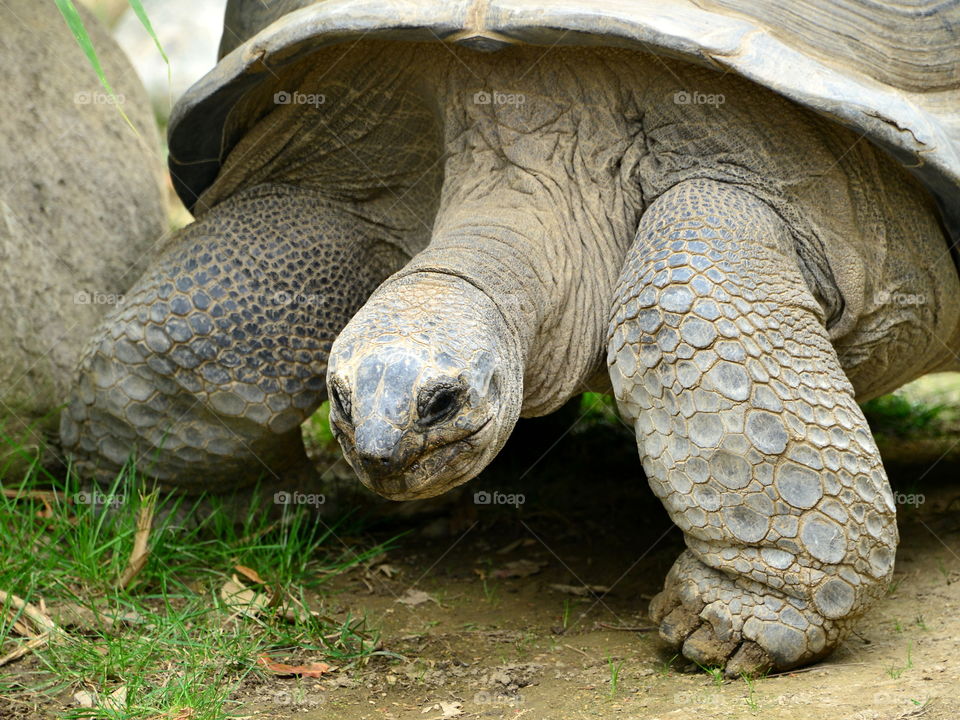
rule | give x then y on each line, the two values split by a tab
749	433
205	373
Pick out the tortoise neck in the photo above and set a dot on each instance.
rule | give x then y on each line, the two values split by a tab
549	296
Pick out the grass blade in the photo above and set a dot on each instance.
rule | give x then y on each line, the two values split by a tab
79	32
145	21
137	8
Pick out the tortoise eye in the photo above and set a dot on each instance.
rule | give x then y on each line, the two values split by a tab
437	404
340	401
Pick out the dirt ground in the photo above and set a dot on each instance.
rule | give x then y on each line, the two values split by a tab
527	605
495	637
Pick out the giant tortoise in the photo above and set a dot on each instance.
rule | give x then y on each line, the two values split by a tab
748	209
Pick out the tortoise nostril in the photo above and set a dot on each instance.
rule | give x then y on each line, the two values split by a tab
377	444
368	457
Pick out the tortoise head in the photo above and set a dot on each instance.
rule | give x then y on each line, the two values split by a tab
416	418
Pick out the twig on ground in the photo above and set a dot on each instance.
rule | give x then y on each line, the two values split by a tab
627	628
811	668
141	549
42	620
44	495
47	626
582	652
29	646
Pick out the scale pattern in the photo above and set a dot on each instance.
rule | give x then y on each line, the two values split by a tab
205	373
749	434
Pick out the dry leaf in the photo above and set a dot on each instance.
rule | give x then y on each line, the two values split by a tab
377	559
519	568
45	496
27	647
314	669
21	629
31	612
448	709
47	511
250	574
293	611
73	615
46	627
451	709
522	542
387	570
85	698
176	714
412	598
241	599
117	700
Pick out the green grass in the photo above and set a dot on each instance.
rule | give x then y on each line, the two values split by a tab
179	645
598	409
317	430
566	613
752	701
895	671
614	668
899	416
664	668
74	22
715	674
491	593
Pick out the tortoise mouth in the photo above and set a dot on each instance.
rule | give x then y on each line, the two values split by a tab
425	474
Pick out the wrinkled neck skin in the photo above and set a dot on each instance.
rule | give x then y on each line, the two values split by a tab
510	300
538	209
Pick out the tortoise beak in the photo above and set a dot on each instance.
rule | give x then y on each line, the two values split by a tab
381	457
377	444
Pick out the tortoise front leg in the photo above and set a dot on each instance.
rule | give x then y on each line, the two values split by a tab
749	434
205	373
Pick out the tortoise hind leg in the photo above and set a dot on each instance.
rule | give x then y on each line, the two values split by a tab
218	354
749	434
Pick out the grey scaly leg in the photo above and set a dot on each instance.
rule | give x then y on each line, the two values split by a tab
749	434
219	352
